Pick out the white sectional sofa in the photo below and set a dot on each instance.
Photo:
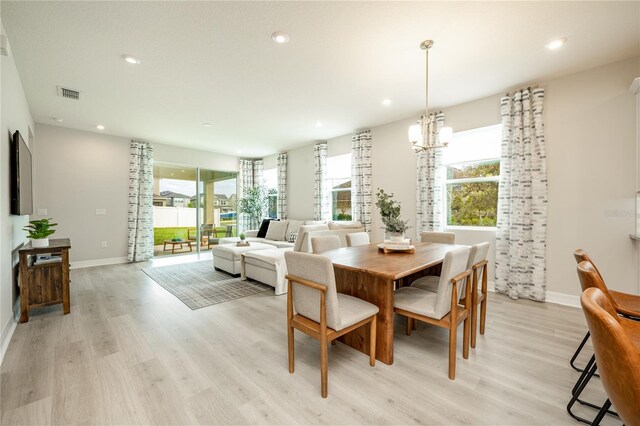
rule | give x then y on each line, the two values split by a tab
268	266
283	241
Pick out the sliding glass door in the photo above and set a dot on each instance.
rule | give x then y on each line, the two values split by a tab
218	192
193	208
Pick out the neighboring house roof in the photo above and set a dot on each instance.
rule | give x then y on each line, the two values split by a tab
347	184
215	196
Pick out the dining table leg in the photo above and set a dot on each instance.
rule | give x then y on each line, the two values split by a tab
378	291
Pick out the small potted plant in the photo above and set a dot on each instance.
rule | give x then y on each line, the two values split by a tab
243	240
39	231
390	214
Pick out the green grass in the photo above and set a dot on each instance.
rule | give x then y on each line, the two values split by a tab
162	234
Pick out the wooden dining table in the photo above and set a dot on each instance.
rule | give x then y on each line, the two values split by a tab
370	274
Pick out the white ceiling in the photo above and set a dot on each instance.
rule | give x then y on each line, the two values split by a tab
215	62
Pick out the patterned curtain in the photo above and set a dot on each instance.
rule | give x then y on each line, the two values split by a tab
251	175
140	221
430	179
522	198
282	185
361	191
321	195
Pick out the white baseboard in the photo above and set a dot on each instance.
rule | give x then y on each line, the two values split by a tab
99	262
552	297
563	299
7	333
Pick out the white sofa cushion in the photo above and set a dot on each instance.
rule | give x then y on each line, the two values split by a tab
302	235
344	225
303	242
277	230
293	228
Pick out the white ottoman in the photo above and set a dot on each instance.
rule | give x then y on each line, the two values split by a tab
266	266
228	240
227	257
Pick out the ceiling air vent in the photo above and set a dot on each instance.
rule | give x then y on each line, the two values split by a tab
65	92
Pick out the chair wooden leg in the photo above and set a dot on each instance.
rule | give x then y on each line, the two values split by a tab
290	327
291	355
414	324
452	350
483	314
473	312
409	326
372	342
465	337
323	365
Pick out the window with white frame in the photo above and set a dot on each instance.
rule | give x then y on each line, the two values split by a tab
472	174
339	182
271	183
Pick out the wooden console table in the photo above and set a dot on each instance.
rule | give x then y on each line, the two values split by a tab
47	283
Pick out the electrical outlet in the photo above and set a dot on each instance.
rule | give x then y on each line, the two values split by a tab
104	244
101	212
41	212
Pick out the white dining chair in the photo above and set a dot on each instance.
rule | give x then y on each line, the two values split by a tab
357	239
438	237
316	308
441	308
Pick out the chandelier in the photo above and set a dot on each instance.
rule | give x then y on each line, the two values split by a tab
419	133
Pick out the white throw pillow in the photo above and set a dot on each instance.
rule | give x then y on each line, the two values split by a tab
294	225
277	230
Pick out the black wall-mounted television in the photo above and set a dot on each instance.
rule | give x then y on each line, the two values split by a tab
21	177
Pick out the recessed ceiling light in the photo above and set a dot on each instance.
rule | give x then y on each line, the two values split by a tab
319	124
386	102
131	59
556	43
206	124
57	120
239	151
100	127
280	37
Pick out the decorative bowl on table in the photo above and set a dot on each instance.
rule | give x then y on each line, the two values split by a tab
399	246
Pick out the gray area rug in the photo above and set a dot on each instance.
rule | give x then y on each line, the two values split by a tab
198	285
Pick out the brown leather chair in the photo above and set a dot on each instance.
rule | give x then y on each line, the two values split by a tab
590	278
616	354
625	304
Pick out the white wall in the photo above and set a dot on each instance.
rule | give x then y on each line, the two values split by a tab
79	172
590	133
15	114
193	157
590	129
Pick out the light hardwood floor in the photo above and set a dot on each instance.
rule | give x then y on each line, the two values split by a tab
131	353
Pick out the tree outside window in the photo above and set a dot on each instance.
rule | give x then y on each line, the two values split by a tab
339	180
471	177
271	183
472	194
